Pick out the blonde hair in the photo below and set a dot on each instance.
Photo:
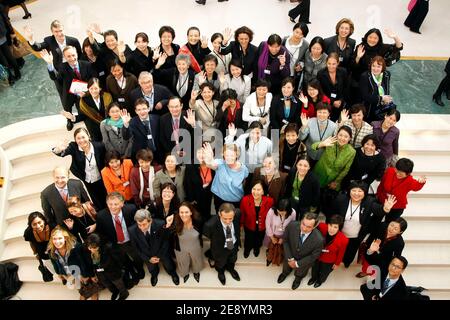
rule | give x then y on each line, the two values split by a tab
232	147
69	244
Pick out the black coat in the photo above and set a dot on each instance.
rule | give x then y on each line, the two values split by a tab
249	61
221	119
166	130
159	243
372	167
369	91
107	56
110	262
277	119
105	225
198	52
138	62
338	91
370	209
92	126
50	44
137	130
76	258
397	292
161	94
193	184
66	75
169	78
309	191
331	45
78	165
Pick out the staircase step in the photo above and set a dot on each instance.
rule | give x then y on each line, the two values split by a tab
425	141
30	185
436	231
38	164
427	208
426	162
20	209
421	122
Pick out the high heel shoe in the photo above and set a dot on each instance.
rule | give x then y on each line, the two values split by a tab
203	2
28	15
438	100
197	277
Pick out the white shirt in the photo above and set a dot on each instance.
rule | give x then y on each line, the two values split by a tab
124	226
97	102
294	52
252	112
91	169
61	47
182	84
122	82
392	282
352	225
224	226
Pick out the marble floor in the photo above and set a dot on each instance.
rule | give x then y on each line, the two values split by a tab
413	81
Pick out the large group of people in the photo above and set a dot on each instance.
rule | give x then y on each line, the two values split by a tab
283	139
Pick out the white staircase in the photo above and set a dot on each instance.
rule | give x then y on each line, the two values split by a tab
27	164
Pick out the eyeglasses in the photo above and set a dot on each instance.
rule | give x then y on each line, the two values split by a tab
396	266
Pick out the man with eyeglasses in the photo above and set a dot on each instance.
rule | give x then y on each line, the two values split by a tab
389	285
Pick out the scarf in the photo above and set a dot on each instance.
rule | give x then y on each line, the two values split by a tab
231	117
151	175
263	60
114	123
378	80
194	64
92	113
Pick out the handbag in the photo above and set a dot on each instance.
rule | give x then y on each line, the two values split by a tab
47	276
89	288
19	49
411	5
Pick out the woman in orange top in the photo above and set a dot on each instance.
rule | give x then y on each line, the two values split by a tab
116	174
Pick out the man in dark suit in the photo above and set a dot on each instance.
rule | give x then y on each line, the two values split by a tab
389	285
54	196
144	129
69	71
302	246
176	130
150	238
112	225
156	95
55	44
224	232
179	80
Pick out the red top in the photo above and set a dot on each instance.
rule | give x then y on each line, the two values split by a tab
311	110
248	212
390	184
334	251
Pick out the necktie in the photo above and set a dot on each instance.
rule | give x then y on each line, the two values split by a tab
147	237
176	127
385	286
119	230
148	130
229	239
63	194
77	72
302	237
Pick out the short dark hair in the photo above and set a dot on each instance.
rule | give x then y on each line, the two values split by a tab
112	155
112	105
346	129
360	185
110	33
336	219
318	40
261	182
377	32
283	205
192	29
311	216
274	39
255	124
168	29
36	214
140	101
390	112
292	126
314	83
115	62
303	27
208	85
144	155
93	240
210	57
216	35
238	64
322	106
142	35
402	259
402	222
228	94
357	108
374	139
262	83
379	60
288	80
245	30
226	207
404	164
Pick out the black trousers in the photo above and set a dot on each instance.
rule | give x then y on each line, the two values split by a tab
113	285
133	263
302	10
97	192
321	271
417	15
7	60
350	252
253	240
444	86
226	260
167	262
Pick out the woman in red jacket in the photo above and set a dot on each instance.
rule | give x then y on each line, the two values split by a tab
332	253
254	208
314	95
398	181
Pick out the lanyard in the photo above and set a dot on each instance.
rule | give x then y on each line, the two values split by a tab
89	159
356	135
183	84
324	131
213	113
352	212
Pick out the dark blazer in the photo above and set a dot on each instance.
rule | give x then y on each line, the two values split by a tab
169	78
105	225
110	262
193	184
370	166
308	252
76	258
388	249
170	61
309	191
249	61
370	209
66	75
137	130
78	165
340	89
213	229
106	57
161	94
276	75
277	119
92	125
122	95
53	205
397	292
331	45
276	188
138	62
221	119
159	243
369	91
166	130
198	52
50	44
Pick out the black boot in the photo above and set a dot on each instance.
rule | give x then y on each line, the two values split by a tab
437	100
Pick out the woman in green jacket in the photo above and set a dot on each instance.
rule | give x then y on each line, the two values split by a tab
336	160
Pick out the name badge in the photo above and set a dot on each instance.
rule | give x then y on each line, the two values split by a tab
205	185
100	270
126	183
297	198
149	137
281	229
364	176
257	222
229	239
266	71
287	167
325	250
341	59
333	95
285	121
121	100
101	74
